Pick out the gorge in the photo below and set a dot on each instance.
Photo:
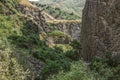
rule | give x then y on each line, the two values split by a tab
48	40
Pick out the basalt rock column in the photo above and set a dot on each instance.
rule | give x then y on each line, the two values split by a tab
100	28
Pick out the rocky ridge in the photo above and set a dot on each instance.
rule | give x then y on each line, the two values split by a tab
69	27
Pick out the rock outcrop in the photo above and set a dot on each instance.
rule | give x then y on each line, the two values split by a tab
34	24
36	19
100	28
72	29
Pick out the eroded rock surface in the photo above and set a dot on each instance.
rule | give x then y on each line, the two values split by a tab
72	29
37	20
100	28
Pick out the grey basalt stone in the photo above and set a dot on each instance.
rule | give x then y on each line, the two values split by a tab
100	30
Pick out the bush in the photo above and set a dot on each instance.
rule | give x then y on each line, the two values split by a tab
54	60
64	47
76	44
106	67
26	41
78	71
59	37
74	53
53	67
99	69
57	33
10	69
59	14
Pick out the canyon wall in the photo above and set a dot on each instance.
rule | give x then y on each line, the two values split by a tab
36	19
100	28
72	29
34	25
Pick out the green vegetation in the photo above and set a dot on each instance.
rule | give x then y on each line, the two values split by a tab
10	68
78	71
107	67
70	6
59	37
20	41
99	69
64	47
55	59
57	33
74	53
58	13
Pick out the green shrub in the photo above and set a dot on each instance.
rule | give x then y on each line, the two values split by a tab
53	67
74	53
57	33
64	47
75	44
10	69
106	67
54	60
78	71
99	69
26	41
60	14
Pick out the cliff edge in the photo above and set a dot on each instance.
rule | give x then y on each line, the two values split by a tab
100	28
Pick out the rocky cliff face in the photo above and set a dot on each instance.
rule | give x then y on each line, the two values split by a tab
34	24
72	29
100	28
36	19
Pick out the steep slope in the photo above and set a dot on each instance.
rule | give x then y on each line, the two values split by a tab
18	33
100	28
23	56
70	6
56	12
72	28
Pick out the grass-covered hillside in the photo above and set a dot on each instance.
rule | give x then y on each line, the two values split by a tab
10	57
70	6
58	13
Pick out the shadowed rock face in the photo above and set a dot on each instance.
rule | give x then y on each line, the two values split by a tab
100	28
36	19
72	29
34	24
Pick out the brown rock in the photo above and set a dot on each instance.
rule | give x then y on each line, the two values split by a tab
100	28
